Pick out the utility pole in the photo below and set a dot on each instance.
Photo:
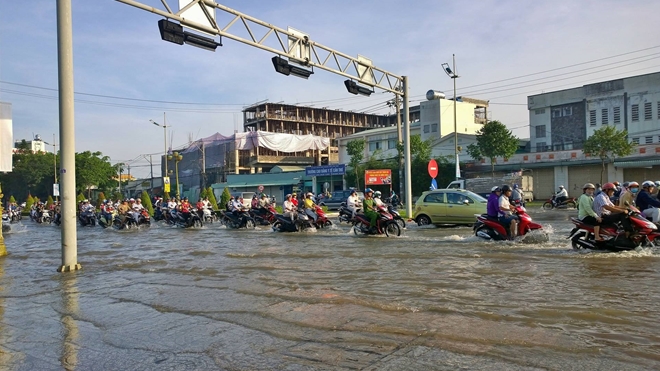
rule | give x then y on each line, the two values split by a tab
151	164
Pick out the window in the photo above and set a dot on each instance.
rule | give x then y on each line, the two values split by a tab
541	146
539	111
648	140
636	140
435	198
556	112
434	128
374	146
592	117
604	116
391	143
426	128
635	113
540	131
617	115
568	111
648	113
458	199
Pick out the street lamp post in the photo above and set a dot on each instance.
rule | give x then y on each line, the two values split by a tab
176	157
451	72
164	126
54	164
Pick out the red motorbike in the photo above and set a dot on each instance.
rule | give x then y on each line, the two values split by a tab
322	220
643	233
264	216
385	224
552	203
491	229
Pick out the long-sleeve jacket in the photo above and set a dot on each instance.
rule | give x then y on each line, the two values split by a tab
645	200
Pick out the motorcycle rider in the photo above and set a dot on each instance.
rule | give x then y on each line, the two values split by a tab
561	196
310	206
394	200
377	199
294	199
505	212
122	210
136	209
184	209
647	204
353	203
229	204
516	195
493	205
631	189
255	201
106	212
264	202
586	213
369	207
237	206
289	209
606	210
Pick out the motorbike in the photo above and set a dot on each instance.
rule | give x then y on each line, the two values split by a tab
345	215
322	220
298	223
179	220
106	219
264	216
491	229
644	233
397	217
236	221
552	203
13	216
385	224
87	218
128	222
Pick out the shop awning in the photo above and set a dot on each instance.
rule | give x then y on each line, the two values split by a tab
637	163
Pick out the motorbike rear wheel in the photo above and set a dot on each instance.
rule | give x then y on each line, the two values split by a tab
249	224
547	206
571	204
356	229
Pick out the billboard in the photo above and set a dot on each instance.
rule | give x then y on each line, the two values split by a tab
378	177
326	170
6	137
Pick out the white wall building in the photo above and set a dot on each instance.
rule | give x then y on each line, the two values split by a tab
564	119
436	123
35	145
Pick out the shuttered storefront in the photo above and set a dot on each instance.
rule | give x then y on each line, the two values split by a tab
578	175
641	174
544	180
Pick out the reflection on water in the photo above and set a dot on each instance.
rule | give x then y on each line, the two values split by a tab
218	298
69	295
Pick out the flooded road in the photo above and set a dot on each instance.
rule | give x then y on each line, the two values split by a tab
432	299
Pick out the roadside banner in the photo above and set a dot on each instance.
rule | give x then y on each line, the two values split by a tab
378	177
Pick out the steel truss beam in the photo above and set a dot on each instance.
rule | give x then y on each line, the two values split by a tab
321	56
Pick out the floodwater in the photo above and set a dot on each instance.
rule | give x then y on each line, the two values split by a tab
432	299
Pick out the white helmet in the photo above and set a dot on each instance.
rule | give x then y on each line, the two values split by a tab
561	187
309	194
377	194
648	184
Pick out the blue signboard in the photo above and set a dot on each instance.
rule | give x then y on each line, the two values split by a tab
326	170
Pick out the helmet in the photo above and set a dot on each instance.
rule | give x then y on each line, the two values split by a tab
588	186
625	184
132	200
377	194
633	184
648	184
506	188
657	183
496	189
109	202
263	195
353	192
309	194
607	186
185	198
561	187
231	197
254	196
288	195
138	200
616	184
294	194
515	186
85	200
368	190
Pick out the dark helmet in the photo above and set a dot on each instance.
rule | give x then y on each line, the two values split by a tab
506	188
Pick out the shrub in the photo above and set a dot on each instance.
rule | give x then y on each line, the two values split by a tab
146	202
211	195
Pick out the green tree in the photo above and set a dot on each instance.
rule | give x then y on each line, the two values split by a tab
28	202
203	193
146	202
355	150
99	200
116	196
493	140
80	198
224	198
93	169
49	201
608	143
211	195
32	173
12	199
166	196
419	149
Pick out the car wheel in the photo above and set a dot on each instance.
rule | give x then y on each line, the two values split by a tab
423	220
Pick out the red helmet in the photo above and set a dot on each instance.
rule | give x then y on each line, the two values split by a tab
607	186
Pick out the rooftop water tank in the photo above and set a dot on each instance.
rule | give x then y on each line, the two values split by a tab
434	94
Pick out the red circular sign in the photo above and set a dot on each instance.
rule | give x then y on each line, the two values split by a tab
433	168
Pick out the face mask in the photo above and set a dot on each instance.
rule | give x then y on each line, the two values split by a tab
634	190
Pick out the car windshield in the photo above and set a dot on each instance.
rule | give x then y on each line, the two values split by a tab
476	197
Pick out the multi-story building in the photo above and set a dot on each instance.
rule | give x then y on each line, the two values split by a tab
434	121
564	119
35	145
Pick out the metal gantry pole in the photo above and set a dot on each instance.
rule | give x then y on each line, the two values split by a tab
406	146
453	56
67	137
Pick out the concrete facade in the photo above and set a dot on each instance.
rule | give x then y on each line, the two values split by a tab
564	119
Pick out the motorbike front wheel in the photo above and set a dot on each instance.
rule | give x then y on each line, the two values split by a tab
401	223
547	206
392	229
580	236
249	224
571	204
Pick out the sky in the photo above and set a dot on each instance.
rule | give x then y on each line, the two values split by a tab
125	75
